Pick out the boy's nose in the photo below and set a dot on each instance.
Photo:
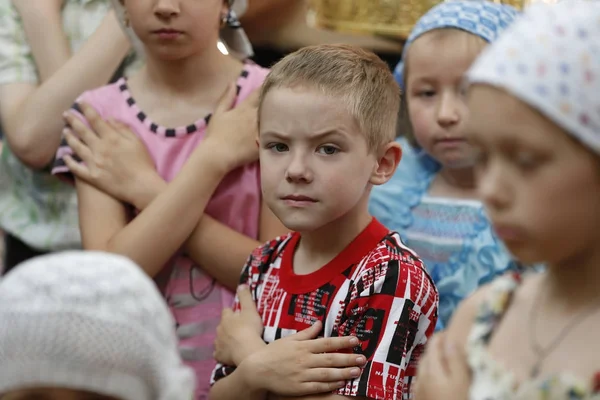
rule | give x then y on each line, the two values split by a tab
298	170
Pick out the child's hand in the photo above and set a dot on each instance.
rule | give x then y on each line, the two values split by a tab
114	159
443	372
300	365
239	333
232	132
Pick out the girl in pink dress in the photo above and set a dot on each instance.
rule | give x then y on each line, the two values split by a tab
188	209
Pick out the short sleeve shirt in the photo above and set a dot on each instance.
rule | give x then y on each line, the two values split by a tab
376	289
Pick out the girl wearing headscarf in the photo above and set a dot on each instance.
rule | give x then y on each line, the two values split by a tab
431	198
534	102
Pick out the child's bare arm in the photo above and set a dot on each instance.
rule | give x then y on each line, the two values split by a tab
210	243
42	23
211	246
100	216
236	386
158	232
31	113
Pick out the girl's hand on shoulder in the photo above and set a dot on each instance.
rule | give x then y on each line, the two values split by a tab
232	132
114	159
443	372
300	365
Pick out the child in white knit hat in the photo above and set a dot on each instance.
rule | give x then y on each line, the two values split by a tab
534	103
87	325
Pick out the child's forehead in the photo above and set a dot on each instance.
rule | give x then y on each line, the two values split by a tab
299	99
503	121
305	110
441	52
306	89
446	36
302	115
444	42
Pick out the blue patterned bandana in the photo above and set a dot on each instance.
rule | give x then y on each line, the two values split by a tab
479	17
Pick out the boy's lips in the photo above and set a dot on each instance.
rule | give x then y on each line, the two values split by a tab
298	200
299	197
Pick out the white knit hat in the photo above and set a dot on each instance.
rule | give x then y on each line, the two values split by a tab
89	321
550	59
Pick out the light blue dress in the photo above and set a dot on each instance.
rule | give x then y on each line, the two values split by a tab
453	237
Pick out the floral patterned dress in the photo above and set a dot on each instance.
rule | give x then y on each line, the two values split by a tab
491	381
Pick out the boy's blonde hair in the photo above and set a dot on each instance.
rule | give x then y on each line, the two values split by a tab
362	81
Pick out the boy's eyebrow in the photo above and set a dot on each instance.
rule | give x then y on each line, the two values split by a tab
275	135
319	135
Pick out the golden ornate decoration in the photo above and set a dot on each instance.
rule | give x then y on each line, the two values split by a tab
390	18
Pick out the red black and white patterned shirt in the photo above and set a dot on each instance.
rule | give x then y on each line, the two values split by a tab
376	289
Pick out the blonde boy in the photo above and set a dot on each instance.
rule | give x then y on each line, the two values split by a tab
327	125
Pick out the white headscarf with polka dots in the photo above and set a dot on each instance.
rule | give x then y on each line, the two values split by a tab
550	59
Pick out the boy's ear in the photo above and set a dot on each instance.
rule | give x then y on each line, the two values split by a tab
387	163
